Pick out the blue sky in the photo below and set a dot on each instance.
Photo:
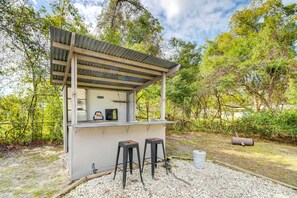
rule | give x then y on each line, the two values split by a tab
190	20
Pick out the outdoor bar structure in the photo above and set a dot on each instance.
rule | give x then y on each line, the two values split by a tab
100	82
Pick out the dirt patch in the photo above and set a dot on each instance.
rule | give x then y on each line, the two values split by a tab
274	160
32	172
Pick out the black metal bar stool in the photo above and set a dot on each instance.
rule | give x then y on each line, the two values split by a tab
154	152
127	146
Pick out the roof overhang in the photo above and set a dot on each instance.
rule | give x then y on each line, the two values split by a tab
103	65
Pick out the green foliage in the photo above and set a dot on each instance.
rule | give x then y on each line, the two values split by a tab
269	123
182	89
34	111
148	101
16	126
64	15
257	54
248	68
127	23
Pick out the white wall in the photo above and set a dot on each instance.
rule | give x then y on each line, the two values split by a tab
95	104
99	146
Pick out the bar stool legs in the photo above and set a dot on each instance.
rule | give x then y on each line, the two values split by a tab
131	159
143	159
154	152
139	167
127	151
117	161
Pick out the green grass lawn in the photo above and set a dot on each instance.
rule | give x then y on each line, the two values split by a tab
34	172
274	160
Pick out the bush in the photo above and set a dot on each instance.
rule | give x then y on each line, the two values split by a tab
269	123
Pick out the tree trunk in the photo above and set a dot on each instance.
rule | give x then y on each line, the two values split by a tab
217	94
147	110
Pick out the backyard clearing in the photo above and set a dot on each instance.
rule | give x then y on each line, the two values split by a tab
213	181
271	159
32	172
41	171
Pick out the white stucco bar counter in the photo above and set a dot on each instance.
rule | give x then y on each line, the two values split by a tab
119	124
97	143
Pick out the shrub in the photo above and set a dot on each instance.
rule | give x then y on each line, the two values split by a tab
269	123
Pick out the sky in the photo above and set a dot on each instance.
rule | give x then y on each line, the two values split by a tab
190	20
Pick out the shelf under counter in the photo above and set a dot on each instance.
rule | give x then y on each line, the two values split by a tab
115	124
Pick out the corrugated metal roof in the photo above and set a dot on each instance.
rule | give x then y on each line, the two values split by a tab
83	42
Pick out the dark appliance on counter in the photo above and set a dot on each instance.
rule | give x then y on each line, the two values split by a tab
111	114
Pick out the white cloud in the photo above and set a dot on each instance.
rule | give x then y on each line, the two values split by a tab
193	20
34	2
89	10
286	2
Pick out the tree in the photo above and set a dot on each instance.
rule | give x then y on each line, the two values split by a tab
255	57
64	15
26	33
183	88
127	23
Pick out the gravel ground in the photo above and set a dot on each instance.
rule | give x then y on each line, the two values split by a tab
213	181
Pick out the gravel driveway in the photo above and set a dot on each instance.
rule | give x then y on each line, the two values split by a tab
213	181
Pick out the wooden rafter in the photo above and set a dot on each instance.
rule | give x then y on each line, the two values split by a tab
118	65
70	54
90	68
100	79
109	57
96	85
156	79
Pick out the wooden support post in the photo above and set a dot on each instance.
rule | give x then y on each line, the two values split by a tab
127	107
65	119
74	89
163	96
134	105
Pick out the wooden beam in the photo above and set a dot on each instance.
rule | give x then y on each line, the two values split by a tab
58	62
70	53
86	67
134	105
109	57
65	119
97	85
156	79
73	89
127	107
100	79
163	97
118	65
61	45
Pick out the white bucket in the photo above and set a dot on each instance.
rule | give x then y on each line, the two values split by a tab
199	158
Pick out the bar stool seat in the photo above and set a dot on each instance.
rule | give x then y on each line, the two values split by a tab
154	152
127	146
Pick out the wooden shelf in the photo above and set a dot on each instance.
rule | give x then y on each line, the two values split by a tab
120	101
